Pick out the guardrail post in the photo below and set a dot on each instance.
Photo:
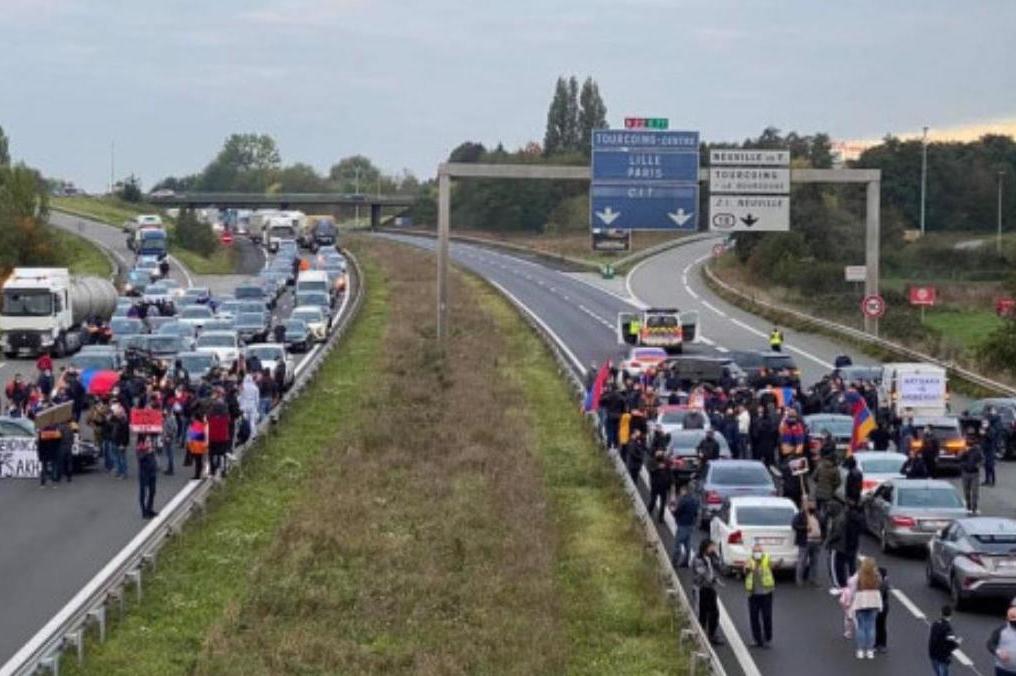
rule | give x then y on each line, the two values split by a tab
51	663
98	615
77	638
135	577
118	595
149	559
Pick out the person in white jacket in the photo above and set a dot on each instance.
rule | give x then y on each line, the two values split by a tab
866	602
248	399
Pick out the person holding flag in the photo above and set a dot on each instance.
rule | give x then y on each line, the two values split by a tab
864	422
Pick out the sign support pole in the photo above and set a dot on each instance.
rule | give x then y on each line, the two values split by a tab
871	248
443	235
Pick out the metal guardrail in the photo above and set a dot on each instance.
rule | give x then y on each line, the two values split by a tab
861	336
570	368
88	608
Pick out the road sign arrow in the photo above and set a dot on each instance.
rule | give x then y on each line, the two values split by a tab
749	220
680	216
608	215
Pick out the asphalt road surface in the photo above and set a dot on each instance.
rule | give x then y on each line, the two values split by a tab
57	538
808	624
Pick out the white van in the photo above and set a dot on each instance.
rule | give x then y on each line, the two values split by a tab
147	221
913	388
312	280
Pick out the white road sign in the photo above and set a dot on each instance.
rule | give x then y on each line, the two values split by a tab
751	180
749	213
855	273
749	158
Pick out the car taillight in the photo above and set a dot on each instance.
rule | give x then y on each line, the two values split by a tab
869	484
956	445
735	538
713	498
903	521
679	463
916	444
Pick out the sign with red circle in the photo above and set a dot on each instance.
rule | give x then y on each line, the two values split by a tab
922	295
873	306
718	250
226	238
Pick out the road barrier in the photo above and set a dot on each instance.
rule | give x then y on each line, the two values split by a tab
855	335
88	608
702	652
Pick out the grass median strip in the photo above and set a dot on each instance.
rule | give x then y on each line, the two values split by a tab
453	516
83	257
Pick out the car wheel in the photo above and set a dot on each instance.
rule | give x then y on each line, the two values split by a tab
929	573
959	601
883	541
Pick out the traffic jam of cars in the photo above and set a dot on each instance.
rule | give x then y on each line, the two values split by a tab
152	340
737	448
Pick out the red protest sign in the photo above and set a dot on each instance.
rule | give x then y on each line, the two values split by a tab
1005	307
146	421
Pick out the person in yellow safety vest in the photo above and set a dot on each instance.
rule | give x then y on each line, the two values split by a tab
623	432
634	327
759	583
776	340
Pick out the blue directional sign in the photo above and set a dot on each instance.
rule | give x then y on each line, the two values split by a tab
638	206
644	180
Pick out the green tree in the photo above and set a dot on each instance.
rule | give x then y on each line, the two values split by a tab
5	149
572	141
131	190
467	151
246	163
24	207
592	114
194	234
298	177
555	137
354	174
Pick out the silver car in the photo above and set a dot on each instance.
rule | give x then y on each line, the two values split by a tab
975	557
908	512
726	479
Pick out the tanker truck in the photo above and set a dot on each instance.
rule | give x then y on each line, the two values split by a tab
44	310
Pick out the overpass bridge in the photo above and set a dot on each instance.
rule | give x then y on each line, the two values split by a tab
242	200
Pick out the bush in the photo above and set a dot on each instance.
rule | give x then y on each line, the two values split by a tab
195	235
998	351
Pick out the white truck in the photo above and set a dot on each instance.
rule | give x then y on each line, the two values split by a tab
277	229
44	310
658	327
912	388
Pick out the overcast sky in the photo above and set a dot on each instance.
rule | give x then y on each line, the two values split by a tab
404	82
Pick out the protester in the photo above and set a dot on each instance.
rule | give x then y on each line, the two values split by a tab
686	514
881	631
148	473
197	444
808	540
866	602
705	579
942	642
970	472
1002	645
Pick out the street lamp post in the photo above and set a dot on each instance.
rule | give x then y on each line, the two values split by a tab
924	174
998	240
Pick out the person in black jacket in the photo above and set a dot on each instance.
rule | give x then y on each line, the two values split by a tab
853	484
881	637
635	453
929	451
658	465
942	641
708	450
914	467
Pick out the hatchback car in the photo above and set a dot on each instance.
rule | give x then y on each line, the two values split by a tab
270	355
908	512
767	368
224	344
316	321
974	557
841	427
195	315
251	327
98	358
297	336
198	364
639	359
744	521
951	441
125	327
682	452
726	479
876	467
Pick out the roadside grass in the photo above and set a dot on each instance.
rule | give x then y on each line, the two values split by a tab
964	329
415	513
205	569
114	212
82	257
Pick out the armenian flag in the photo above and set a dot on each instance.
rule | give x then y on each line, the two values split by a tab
864	422
784	396
592	401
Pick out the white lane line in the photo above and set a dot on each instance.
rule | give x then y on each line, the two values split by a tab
748	327
601	320
693	294
550	332
909	605
707	341
183	269
630	300
714	308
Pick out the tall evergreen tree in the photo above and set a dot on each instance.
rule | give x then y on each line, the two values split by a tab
592	114
555	138
5	151
572	133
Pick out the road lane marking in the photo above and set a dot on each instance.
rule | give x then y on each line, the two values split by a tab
909	605
714	308
630	300
186	273
550	332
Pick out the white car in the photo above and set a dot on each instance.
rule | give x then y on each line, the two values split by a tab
745	520
157	292
641	358
876	467
314	318
270	354
224	344
195	315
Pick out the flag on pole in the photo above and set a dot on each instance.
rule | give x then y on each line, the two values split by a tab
592	401
864	422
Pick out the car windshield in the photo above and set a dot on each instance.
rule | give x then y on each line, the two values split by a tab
216	340
250	319
882	465
175	329
308	314
250	292
163	344
28	303
764	516
312	298
928	497
156	290
136	276
313	286
780	362
739	476
838	427
125	326
673	417
196	312
1003	542
265	353
248	306
946	433
661	321
102	362
294	327
196	363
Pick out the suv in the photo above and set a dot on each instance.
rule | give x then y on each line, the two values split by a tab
768	368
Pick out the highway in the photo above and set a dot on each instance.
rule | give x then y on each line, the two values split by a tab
55	539
808	624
